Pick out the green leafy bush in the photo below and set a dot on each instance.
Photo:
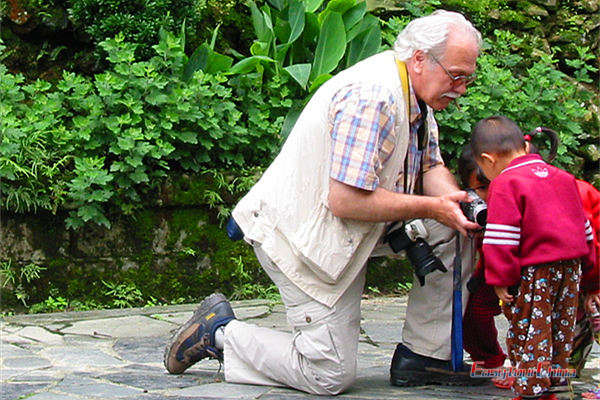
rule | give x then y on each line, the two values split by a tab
138	20
111	140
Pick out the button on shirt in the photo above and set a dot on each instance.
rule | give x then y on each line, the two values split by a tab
361	124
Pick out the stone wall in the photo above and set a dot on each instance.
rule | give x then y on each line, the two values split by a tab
167	253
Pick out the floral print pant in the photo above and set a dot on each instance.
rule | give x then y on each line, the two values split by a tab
541	325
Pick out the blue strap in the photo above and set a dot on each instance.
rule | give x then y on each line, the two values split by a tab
457	331
233	230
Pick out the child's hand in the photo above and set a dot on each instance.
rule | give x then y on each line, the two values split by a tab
502	293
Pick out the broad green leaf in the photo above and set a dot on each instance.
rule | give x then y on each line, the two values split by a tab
300	73
338	6
354	15
318	81
281	51
282	30
364	45
278	4
197	62
331	45
258	21
367	23
312	5
207	60
296	19
249	64
218	63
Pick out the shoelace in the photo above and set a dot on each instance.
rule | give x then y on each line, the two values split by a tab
203	345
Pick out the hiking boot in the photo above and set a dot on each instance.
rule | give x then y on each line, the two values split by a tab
195	340
411	369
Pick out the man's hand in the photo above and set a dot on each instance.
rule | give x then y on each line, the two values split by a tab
502	293
449	213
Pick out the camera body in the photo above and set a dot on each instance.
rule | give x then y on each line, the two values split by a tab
476	209
411	237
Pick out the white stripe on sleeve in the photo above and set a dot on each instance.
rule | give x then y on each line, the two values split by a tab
501	227
589	238
502	235
501	241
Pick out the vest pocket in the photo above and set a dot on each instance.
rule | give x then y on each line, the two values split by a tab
326	243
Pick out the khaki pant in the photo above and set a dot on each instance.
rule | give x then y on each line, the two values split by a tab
320	355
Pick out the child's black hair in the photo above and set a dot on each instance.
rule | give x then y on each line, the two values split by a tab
554	142
466	166
497	135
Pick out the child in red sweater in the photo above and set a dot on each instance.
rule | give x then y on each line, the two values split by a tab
535	237
479	329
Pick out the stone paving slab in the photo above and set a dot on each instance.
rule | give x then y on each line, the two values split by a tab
120	327
117	354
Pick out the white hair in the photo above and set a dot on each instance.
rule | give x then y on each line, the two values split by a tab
431	32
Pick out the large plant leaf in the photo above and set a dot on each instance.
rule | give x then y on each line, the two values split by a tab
296	19
207	60
331	45
318	81
249	64
300	73
339	6
281	51
278	4
367	23
313	5
364	45
282	30
263	33
354	15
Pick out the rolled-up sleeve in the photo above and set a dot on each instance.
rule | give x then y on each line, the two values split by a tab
361	126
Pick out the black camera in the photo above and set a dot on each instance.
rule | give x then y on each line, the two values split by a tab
476	209
411	237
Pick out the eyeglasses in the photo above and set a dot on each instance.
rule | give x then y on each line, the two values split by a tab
456	79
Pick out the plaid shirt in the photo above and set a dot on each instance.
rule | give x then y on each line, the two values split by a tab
362	120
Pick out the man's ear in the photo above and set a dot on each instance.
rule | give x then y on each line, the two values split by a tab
418	60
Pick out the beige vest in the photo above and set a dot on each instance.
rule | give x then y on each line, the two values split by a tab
287	212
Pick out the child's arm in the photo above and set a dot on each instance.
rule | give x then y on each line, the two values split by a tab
502	238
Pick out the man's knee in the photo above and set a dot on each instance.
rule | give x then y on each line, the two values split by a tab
337	381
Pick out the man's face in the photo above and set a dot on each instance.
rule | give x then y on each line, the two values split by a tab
433	84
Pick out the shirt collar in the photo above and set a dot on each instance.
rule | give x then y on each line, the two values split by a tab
522	160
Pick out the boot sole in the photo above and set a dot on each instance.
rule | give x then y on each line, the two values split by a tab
422	378
203	308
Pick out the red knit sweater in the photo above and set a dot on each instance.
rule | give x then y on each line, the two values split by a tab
535	216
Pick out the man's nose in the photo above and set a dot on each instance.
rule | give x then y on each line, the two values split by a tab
461	88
